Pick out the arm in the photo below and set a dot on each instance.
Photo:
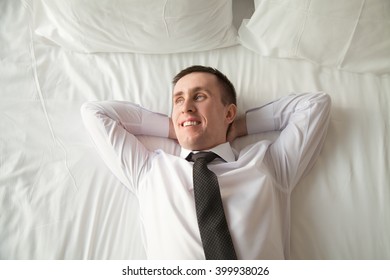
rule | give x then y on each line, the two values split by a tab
113	126
303	121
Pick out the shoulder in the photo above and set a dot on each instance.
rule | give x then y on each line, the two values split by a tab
254	151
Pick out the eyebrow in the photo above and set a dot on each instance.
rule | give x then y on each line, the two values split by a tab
195	89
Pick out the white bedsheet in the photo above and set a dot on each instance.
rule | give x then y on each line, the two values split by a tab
59	201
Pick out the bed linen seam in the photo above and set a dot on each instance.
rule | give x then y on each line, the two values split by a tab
350	39
40	95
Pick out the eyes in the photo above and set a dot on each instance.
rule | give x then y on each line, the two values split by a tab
198	97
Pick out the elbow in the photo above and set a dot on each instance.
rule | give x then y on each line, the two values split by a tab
324	101
89	111
327	102
90	108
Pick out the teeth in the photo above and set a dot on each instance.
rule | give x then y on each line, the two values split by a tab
185	124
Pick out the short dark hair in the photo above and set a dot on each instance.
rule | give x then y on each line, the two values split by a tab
229	95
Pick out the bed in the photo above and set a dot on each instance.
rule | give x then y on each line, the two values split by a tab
60	201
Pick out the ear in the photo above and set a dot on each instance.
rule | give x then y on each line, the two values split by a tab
231	113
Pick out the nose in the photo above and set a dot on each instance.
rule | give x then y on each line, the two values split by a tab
188	106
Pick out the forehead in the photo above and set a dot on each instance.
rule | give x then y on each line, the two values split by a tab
194	81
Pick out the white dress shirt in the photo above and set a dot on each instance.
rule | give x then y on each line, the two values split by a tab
255	183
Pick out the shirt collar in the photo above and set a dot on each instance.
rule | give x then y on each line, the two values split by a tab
224	150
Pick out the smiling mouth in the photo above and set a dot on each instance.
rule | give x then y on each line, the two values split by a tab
190	123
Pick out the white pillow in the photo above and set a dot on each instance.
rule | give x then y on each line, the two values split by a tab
142	26
352	35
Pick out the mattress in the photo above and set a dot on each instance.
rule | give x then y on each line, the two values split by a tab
60	201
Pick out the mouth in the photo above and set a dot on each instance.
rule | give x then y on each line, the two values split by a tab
190	123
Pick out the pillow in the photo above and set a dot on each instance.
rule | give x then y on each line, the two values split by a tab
142	26
352	35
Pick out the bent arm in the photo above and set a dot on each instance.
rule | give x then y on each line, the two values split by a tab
113	126
303	121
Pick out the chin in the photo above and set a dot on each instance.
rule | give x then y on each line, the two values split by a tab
197	143
197	146
192	145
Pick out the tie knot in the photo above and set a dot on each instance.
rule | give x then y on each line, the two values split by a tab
206	156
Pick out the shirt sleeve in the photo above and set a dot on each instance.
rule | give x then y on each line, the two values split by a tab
113	126
303	121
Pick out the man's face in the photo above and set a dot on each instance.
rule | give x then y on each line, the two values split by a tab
199	117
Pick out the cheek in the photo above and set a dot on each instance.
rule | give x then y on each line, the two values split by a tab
175	120
217	114
174	115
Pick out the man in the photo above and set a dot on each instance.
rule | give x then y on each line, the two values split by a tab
255	184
